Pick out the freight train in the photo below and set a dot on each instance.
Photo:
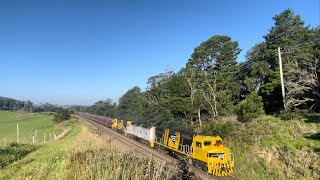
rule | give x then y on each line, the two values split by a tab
205	152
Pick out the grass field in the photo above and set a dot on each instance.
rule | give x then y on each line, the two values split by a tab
81	154
48	161
41	122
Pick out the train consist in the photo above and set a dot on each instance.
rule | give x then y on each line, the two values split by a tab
205	152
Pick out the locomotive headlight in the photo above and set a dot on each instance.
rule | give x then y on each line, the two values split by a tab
221	156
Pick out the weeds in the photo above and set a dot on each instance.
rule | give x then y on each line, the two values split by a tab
14	152
94	158
270	148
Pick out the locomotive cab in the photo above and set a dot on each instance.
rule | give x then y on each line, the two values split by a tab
216	158
120	125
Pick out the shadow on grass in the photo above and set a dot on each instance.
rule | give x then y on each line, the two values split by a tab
313	119
14	152
315	136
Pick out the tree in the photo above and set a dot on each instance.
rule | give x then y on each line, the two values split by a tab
103	108
28	106
132	104
250	108
156	87
213	68
262	68
302	82
47	107
78	108
61	115
181	107
13	104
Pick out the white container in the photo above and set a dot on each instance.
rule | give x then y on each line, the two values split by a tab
147	134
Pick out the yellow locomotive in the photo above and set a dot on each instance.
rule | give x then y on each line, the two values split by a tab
205	152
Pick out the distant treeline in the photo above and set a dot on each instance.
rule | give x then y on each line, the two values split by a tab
213	84
61	114
13	104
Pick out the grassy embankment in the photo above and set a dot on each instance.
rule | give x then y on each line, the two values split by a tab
266	148
81	154
270	148
41	122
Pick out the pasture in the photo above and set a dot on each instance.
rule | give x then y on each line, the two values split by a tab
28	122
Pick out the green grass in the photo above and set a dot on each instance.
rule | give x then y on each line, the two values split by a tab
81	154
266	148
14	152
50	161
270	148
41	122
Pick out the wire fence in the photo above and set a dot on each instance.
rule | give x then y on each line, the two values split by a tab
33	138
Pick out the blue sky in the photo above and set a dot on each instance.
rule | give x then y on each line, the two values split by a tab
78	52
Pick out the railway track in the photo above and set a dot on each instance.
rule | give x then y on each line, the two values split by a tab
149	152
138	147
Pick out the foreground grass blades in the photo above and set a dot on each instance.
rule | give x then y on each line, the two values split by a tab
96	158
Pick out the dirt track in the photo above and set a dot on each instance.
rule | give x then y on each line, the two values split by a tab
62	134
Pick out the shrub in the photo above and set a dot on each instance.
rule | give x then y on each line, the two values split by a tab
294	114
223	129
61	115
14	152
250	108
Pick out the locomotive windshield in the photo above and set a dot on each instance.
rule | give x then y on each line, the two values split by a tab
207	143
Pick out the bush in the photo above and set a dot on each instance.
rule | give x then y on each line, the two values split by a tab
61	115
250	108
294	114
14	152
218	128
225	105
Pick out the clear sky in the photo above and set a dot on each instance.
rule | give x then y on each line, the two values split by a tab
79	52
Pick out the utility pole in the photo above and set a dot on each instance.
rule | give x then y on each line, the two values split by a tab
18	140
35	135
281	78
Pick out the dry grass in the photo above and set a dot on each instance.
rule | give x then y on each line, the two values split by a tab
96	158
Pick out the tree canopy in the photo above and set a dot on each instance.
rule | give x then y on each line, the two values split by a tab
213	84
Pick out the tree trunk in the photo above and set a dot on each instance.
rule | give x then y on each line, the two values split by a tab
199	117
211	106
